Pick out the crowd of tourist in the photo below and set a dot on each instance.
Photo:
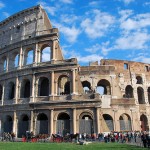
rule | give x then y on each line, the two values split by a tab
120	137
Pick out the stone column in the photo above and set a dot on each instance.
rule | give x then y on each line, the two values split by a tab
16	92
73	82
98	120
20	58
115	121
33	89
15	124
51	123
74	121
3	93
35	53
7	62
31	122
52	84
53	50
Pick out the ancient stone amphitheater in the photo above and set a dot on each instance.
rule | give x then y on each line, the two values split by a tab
40	91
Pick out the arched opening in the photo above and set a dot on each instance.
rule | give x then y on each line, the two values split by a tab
139	80
103	87
1	92
11	90
5	65
16	61
144	123
46	54
107	123
42	124
43	87
86	124
29	57
148	92
23	125
63	124
63	85
125	122
8	124
86	86
128	91
25	89
140	93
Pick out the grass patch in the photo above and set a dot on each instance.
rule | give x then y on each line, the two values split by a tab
65	146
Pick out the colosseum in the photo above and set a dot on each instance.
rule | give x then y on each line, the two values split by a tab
52	94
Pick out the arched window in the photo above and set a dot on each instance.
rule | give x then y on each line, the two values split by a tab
144	123
8	124
139	80
103	87
25	88
11	90
128	91
63	85
107	123
46	54
140	93
86	86
43	87
5	65
16	62
29	58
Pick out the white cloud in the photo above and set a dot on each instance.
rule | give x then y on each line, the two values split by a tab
142	59
50	10
127	1
136	22
71	33
89	58
69	19
146	3
66	1
137	40
2	5
97	24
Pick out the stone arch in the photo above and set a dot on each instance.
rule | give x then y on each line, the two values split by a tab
11	90
125	122
1	91
8	124
148	93
128	91
144	123
45	54
141	97
25	88
86	123
103	87
23	125
42	124
86	86
107	123
64	85
43	86
139	80
28	56
14	60
63	123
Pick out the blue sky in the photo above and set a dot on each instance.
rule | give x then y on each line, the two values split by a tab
91	30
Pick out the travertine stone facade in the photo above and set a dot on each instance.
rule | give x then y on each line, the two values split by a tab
40	91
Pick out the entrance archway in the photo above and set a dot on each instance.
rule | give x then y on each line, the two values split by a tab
125	122
63	124
8	124
42	124
23	125
107	123
144	123
86	123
